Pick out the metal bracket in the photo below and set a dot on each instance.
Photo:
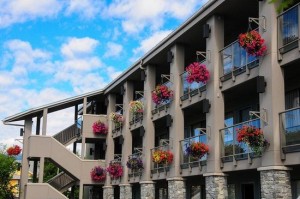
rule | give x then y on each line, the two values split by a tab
117	157
205	55
140	93
167	77
141	65
138	150
257	21
163	142
119	105
260	114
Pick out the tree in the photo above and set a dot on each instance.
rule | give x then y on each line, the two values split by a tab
8	166
283	4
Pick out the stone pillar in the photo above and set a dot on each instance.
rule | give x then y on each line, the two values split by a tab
148	139
109	140
176	188
216	187
125	191
25	162
275	183
177	128
147	190
108	192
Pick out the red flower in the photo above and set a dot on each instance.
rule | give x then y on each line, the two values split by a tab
115	170
197	73
197	149
162	157
14	150
253	43
161	93
99	128
98	174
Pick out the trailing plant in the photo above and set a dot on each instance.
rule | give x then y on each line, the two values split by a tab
98	174
115	170
253	137
161	94
253	43
197	72
135	163
197	150
162	157
117	119
99	128
284	4
136	107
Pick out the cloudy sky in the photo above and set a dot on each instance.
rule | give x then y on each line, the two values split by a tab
53	49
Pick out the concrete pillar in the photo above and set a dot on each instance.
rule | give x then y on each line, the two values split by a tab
147	189
275	182
25	161
148	139
216	187
44	129
108	192
176	188
215	116
80	190
42	159
125	191
83	147
127	145
41	169
177	128
109	140
272	100
84	105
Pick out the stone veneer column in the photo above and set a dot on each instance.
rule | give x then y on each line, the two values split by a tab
147	190
216	187
176	188
108	192
275	183
125	191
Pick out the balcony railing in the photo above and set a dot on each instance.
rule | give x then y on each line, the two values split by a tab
186	159
190	90
288	29
157	168
231	149
138	155
117	127
290	130
235	61
136	117
165	104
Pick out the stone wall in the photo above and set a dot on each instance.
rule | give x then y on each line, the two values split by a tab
147	190
125	191
176	188
275	184
108	192
216	187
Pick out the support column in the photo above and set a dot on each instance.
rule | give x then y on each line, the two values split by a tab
148	139
80	190
42	159
25	162
216	186
83	146
177	128
275	182
108	192
127	145
35	162
84	105
147	190
176	188
125	191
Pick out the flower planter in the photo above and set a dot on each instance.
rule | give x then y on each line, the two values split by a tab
253	43
161	94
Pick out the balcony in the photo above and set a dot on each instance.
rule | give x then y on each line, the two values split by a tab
290	130
117	159
117	127
288	30
157	168
87	123
188	161
235	61
190	90
136	119
162	109
231	149
136	172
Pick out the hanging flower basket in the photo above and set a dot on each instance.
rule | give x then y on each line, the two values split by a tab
117	119
99	128
197	72
253	43
136	107
98	174
162	157
135	163
162	93
253	137
14	150
115	170
197	150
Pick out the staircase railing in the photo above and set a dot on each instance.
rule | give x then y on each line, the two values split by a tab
68	134
61	181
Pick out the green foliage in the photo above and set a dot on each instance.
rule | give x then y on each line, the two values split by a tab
50	170
284	4
8	166
68	193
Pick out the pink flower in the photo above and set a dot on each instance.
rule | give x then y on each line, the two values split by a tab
197	73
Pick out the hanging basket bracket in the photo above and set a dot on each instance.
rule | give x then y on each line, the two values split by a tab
261	22
262	115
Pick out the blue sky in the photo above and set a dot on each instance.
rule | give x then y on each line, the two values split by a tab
53	49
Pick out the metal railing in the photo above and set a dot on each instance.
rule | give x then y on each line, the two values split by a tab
230	147
117	126
193	88
235	60
61	181
290	127
70	133
137	117
155	167
288	29
187	159
164	104
138	152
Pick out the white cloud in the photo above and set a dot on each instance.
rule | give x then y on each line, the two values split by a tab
18	11
113	50
85	8
137	14
113	73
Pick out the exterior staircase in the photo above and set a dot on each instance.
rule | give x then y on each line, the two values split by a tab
62	182
69	135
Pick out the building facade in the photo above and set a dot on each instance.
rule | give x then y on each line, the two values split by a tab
243	90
